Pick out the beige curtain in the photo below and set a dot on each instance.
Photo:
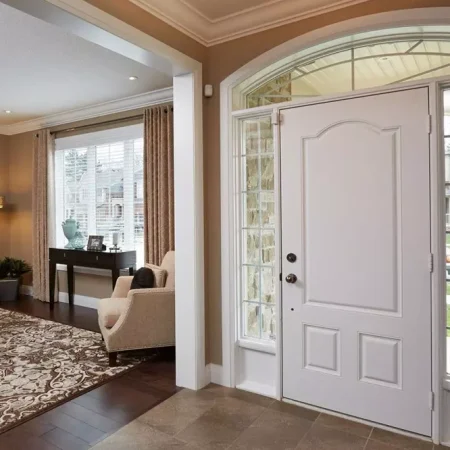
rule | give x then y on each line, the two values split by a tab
43	148
159	229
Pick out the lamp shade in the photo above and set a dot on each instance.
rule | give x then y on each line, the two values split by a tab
2	201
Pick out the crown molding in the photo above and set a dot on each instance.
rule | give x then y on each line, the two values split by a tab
185	18
90	112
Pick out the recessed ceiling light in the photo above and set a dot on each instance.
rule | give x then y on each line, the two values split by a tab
7	111
133	78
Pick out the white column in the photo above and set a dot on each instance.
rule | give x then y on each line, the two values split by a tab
189	241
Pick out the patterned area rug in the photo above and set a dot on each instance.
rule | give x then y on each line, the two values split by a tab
44	363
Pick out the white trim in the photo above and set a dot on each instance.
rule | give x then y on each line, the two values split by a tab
24	289
208	32
115	106
93	24
258	388
189	231
424	16
79	300
213	374
258	346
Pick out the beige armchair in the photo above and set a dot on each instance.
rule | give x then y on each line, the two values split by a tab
140	318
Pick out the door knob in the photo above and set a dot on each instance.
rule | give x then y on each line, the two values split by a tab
291	278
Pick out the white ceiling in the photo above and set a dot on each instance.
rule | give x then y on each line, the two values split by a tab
47	71
213	21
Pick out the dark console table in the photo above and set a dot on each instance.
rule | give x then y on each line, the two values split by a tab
114	261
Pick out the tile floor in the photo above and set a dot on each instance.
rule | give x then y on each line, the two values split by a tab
218	418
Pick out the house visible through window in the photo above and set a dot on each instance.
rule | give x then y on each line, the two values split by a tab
99	183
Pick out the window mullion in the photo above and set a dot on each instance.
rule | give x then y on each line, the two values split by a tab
92	190
128	194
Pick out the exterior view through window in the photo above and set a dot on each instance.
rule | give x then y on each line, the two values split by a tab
99	183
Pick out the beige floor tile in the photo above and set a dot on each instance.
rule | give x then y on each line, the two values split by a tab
348	426
222	391
209	434
138	436
234	413
218	427
295	410
398	440
325	438
178	411
273	431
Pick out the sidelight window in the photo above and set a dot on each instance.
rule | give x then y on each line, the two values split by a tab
257	222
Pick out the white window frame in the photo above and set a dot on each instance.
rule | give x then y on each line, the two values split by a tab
84	140
262	344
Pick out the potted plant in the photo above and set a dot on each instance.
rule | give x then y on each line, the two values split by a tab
11	271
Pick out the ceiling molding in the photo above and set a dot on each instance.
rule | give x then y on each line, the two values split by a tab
187	19
102	109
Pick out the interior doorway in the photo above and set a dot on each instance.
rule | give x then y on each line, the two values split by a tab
356	287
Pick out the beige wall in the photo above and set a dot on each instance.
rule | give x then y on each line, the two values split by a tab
219	62
4	188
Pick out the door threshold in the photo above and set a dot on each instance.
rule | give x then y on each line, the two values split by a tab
359	420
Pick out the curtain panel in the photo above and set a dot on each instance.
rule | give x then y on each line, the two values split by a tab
42	212
159	228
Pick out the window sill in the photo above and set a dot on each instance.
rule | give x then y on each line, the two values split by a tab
263	347
89	271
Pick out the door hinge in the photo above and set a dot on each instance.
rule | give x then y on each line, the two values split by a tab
431	262
276	118
431	400
281	277
429	123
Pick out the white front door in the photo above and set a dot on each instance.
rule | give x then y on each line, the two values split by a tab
356	215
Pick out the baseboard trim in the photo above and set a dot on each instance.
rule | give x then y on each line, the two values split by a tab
26	290
258	388
213	374
80	300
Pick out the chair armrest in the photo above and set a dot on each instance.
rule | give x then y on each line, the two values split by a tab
122	288
148	321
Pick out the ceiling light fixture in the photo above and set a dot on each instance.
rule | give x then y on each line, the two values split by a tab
7	111
133	78
383	59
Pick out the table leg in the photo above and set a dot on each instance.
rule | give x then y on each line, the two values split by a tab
115	275
70	285
52	281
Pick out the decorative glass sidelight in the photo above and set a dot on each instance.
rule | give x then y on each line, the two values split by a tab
257	222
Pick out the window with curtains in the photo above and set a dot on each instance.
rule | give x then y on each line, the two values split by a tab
99	182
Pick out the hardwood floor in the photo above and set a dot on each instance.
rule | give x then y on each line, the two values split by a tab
86	420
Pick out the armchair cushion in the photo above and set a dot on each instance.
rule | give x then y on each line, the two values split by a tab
110	309
160	275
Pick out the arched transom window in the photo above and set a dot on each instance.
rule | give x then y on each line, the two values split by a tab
356	62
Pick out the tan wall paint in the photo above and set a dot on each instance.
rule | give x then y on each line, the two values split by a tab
4	190
219	62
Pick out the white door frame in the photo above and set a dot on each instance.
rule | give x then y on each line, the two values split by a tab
97	26
425	16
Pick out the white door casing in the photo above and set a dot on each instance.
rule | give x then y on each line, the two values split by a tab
356	213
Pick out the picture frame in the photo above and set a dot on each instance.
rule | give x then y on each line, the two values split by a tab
95	243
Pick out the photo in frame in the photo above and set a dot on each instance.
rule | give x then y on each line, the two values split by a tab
95	243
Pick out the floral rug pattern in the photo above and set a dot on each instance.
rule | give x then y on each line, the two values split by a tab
43	363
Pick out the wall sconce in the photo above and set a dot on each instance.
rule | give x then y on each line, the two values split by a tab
2	201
